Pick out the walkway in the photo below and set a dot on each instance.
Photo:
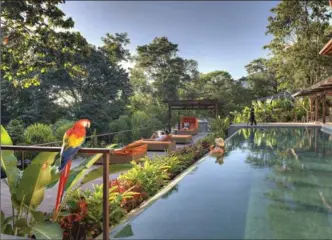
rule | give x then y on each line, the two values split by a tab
50	194
236	126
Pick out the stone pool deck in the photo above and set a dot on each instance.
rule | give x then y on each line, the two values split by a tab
236	126
50	194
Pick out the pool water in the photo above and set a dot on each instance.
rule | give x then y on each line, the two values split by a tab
271	184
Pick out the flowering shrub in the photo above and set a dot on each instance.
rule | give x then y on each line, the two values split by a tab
128	191
123	186
71	221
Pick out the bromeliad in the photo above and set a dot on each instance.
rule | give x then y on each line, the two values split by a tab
72	142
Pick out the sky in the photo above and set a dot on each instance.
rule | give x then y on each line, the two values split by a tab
219	35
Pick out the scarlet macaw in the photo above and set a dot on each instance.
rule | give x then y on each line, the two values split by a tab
72	142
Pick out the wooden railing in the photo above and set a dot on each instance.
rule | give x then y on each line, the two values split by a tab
106	161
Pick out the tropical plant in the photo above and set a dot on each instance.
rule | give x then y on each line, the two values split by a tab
84	210
171	163
218	128
38	133
279	110
27	190
151	177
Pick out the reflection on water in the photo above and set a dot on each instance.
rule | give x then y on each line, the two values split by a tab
270	184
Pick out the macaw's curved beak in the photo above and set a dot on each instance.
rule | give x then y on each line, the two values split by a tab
88	125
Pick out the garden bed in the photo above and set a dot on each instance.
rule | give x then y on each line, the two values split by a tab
81	210
131	192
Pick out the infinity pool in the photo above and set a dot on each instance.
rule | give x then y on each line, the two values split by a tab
271	184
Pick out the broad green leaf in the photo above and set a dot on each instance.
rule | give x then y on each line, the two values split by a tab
9	161
2	220
8	230
21	223
74	178
98	172
47	231
35	179
38	215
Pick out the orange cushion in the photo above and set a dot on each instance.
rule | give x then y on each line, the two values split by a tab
135	144
132	151
167	138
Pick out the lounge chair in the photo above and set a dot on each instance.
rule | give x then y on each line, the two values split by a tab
159	145
193	127
182	138
133	151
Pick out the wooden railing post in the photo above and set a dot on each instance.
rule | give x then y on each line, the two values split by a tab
106	222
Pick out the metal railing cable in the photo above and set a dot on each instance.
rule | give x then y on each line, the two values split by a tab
106	134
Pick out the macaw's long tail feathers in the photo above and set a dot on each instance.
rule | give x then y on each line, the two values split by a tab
61	187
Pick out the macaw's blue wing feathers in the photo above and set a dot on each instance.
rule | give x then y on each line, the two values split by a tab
67	155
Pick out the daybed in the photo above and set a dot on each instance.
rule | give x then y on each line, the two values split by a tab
193	126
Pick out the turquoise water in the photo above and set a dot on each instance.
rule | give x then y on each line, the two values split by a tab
271	184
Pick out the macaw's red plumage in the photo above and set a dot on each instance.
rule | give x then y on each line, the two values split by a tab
72	142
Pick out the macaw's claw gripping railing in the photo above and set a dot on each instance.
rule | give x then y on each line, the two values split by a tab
106	159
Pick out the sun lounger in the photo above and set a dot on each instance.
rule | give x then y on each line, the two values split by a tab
160	145
133	151
182	138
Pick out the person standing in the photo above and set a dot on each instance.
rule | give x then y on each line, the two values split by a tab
252	116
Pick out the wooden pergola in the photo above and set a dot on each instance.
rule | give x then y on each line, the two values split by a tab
205	104
317	94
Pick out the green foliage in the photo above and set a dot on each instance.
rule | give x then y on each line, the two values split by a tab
159	61
261	78
150	176
218	129
38	133
123	123
220	85
32	43
9	162
280	110
93	218
143	125
98	172
60	127
16	130
300	30
105	90
27	191
114	47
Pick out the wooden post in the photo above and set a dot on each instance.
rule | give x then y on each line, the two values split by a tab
106	220
216	110
324	107
316	108
311	105
169	118
179	124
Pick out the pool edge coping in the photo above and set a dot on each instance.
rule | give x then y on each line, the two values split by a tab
131	216
137	211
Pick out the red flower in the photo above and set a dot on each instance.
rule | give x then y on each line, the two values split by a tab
77	216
